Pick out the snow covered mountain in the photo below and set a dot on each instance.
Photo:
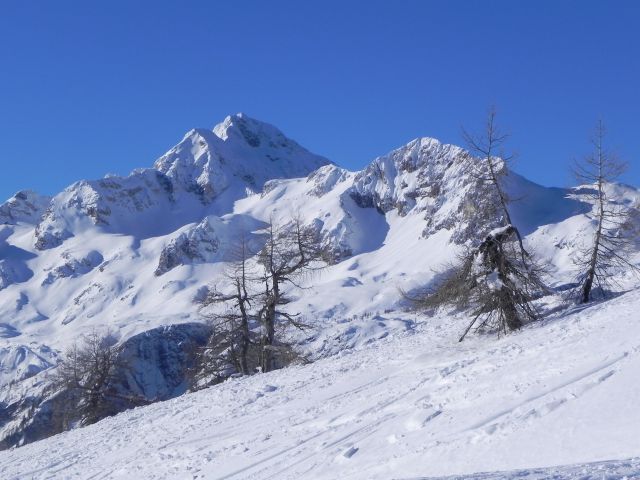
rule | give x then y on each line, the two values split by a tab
204	174
134	254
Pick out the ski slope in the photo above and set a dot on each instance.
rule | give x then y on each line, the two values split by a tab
413	404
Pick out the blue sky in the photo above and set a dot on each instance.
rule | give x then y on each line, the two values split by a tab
88	88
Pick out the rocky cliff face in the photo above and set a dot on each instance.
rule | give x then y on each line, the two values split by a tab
199	244
431	179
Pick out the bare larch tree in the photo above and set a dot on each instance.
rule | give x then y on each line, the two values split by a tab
490	165
230	344
249	334
290	253
613	234
497	277
87	373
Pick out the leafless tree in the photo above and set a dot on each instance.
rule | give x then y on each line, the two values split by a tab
490	164
612	238
290	253
249	315
87	373
228	348
498	278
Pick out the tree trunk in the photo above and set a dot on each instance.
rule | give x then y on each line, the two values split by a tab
269	326
244	330
591	273
586	288
267	340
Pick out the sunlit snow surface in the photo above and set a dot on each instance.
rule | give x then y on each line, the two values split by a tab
414	404
612	470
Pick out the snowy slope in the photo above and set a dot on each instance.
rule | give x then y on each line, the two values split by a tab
414	404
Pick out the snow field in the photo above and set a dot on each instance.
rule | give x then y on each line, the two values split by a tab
411	405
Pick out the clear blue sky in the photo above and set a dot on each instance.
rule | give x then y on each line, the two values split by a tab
90	87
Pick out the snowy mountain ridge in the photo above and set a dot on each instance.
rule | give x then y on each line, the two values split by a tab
237	157
134	254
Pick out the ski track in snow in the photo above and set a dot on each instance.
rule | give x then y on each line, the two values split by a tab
412	405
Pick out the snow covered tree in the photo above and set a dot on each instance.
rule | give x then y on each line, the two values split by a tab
613	235
497	278
492	281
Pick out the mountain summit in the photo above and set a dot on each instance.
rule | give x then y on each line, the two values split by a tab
239	151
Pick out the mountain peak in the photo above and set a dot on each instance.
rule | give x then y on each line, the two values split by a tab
240	148
250	131
427	143
25	206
